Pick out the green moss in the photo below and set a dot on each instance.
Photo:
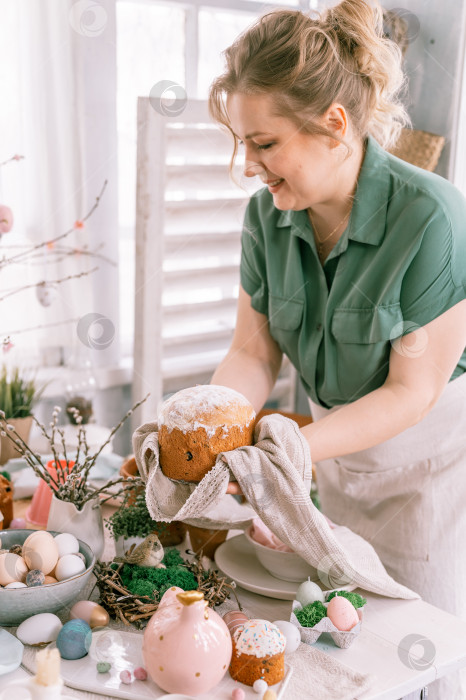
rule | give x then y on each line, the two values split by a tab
172	557
311	614
354	598
154	582
142	587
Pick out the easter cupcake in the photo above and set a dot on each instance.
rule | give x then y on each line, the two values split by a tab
258	652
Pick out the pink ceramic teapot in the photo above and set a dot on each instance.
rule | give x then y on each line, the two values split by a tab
187	648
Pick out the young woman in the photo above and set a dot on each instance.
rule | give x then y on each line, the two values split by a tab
353	266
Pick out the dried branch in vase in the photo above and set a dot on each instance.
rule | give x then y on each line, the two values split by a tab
70	479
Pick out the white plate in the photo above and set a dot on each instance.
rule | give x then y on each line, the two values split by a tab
124	651
237	559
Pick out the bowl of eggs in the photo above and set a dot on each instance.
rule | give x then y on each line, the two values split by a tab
40	571
287	566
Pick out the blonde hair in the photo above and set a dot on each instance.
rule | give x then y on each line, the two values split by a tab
308	63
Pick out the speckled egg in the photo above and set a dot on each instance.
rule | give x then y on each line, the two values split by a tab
68	566
140	673
90	612
40	551
74	639
126	677
342	613
292	634
35	577
12	568
39	629
16	549
66	544
103	667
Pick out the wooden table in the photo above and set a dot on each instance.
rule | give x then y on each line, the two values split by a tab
380	649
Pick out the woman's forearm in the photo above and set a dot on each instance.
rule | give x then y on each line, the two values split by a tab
248	375
374	418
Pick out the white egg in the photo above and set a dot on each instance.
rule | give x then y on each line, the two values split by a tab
67	544
68	566
16	584
308	592
292	634
39	629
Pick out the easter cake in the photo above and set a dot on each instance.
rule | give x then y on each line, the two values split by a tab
258	652
198	423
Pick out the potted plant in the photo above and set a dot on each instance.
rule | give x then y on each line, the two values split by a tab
138	524
74	501
17	394
132	522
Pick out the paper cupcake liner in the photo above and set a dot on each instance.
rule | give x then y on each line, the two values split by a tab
309	635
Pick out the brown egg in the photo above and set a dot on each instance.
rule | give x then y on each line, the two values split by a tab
40	551
50	579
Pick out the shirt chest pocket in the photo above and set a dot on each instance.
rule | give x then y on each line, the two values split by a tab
285	320
363	342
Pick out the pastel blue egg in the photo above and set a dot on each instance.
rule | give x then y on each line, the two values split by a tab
74	639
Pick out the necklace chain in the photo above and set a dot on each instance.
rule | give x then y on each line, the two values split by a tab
319	242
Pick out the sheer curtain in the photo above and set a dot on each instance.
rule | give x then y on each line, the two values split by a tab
58	77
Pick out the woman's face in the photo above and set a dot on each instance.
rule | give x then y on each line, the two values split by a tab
299	169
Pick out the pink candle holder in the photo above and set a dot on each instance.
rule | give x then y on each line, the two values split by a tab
38	511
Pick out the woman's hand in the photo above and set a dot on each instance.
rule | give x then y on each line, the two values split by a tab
234	488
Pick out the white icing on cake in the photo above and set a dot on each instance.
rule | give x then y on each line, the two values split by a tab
182	410
259	638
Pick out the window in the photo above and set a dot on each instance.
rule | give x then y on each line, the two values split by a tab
158	41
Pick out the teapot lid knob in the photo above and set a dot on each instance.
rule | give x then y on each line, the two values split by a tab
190	597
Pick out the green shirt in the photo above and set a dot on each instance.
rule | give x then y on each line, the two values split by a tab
400	263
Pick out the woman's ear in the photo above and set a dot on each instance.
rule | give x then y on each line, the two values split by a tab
335	120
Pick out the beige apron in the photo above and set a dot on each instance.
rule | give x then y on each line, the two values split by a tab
407	497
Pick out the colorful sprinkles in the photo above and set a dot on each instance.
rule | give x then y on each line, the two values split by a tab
259	638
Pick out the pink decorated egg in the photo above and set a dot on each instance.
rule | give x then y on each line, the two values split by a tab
342	613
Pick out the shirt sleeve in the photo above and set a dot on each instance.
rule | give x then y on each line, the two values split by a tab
253	274
436	279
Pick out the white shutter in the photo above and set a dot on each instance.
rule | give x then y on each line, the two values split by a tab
188	231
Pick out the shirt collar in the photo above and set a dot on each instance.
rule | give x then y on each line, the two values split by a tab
369	213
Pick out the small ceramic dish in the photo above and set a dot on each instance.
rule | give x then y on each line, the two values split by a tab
287	566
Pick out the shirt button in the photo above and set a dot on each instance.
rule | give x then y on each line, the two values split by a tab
319	327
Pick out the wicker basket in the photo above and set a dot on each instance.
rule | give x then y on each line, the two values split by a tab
419	148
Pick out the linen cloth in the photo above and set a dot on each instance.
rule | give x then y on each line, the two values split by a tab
407	497
275	476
